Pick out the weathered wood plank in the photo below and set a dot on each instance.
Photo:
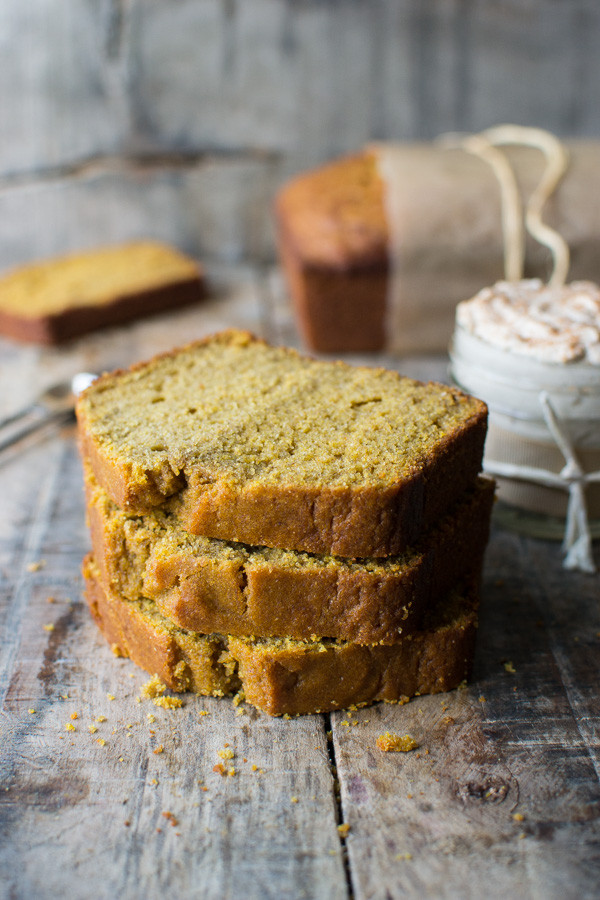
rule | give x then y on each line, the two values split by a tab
62	96
302	81
72	809
313	80
547	45
572	619
523	743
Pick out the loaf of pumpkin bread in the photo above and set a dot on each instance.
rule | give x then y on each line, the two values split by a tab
209	585
257	444
286	676
355	243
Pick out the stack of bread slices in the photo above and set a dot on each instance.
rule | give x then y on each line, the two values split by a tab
308	535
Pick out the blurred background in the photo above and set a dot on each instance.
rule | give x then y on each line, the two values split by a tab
180	118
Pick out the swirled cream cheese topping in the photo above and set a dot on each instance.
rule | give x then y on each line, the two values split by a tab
550	324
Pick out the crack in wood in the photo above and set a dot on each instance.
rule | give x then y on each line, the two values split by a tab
136	836
158	160
115	29
36	534
47	674
562	663
337	797
56	792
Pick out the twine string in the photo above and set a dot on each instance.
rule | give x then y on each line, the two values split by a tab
577	543
557	163
510	199
485	145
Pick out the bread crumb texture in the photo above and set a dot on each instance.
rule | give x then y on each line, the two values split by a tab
396	743
153	688
211	585
234	408
168	702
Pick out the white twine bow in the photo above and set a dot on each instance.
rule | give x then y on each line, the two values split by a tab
577	543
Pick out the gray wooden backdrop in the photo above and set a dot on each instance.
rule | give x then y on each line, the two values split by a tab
179	118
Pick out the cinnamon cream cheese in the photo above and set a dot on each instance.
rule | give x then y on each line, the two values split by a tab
529	318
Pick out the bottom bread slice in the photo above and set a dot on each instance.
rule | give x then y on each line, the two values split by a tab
285	676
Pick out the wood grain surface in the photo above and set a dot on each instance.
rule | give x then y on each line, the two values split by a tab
501	799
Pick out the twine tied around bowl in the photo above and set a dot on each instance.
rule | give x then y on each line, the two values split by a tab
577	543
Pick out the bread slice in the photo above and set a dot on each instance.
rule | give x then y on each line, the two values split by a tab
53	301
260	445
286	676
207	585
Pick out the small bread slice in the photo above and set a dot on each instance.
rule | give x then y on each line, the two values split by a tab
58	299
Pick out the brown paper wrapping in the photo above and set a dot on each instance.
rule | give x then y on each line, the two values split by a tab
446	241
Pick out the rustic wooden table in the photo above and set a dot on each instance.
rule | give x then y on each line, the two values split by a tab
501	800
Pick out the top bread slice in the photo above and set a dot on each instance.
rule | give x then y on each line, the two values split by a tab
55	300
252	443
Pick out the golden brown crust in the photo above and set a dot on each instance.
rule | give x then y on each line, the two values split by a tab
292	677
211	586
336	311
181	663
78	316
354	522
359	520
333	217
302	680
